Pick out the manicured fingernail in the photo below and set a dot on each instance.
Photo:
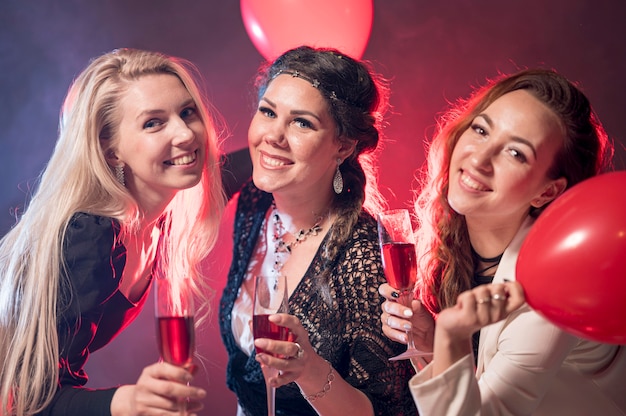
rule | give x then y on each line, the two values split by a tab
408	313
406	327
395	295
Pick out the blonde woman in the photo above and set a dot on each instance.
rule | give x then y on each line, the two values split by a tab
132	190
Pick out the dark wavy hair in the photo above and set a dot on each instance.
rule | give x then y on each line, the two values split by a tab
357	99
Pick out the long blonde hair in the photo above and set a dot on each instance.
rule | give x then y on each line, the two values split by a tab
77	178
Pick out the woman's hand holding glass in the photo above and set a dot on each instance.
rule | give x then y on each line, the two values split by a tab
290	357
174	310
160	388
399	258
281	343
398	319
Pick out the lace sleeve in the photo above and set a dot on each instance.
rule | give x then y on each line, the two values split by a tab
347	332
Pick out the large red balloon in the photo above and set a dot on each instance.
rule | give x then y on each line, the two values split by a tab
572	264
275	26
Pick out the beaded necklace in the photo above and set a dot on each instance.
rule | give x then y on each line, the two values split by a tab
282	248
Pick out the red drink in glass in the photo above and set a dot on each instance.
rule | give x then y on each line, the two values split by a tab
400	264
176	339
263	328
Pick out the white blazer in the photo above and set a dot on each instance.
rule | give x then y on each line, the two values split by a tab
527	366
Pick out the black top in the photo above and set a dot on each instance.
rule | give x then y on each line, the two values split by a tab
347	332
91	312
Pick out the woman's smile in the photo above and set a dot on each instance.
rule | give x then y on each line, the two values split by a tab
269	161
187	159
471	183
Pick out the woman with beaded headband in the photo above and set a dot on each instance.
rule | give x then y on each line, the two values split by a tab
307	215
498	160
132	189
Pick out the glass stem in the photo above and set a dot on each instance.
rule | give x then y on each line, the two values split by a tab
406	297
271	400
183	407
269	372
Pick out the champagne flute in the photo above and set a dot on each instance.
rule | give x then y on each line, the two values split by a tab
397	244
175	324
270	297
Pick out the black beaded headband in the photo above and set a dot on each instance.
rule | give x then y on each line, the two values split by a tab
332	95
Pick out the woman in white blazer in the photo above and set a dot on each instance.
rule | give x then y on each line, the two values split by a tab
499	159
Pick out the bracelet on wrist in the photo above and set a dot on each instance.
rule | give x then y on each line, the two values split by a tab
329	381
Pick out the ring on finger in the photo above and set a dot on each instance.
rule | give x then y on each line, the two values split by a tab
300	352
484	300
498	297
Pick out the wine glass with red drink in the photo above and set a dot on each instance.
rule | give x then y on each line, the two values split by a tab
174	308
397	244
270	297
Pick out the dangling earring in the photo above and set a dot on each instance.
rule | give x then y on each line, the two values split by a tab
338	179
119	174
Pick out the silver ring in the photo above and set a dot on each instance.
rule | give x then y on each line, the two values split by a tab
300	352
484	300
498	296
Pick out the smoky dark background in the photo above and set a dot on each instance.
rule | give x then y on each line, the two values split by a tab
433	52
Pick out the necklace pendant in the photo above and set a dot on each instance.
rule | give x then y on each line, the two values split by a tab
282	247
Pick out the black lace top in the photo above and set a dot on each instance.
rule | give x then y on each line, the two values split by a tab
347	332
96	311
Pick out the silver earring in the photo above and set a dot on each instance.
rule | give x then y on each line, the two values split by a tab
119	174
338	179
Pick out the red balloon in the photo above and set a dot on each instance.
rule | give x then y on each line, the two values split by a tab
275	26
572	264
